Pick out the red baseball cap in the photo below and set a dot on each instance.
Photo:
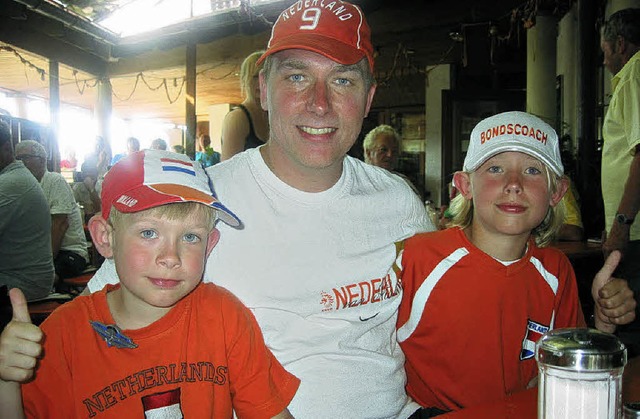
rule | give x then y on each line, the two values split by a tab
150	178
336	29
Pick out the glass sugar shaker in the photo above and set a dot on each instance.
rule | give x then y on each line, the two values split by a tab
580	374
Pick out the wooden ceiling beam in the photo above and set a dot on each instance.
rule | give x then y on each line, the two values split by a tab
55	42
229	50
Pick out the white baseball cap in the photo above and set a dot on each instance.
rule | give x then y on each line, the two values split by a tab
513	131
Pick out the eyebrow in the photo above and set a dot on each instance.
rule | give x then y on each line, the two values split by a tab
297	64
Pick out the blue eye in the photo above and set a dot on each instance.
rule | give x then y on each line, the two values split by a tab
343	82
148	234
533	171
494	169
191	238
296	77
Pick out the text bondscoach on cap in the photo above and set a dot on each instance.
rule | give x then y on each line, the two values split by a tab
516	129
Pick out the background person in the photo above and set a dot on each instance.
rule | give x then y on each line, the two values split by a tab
85	192
68	240
158	144
26	261
620	42
161	316
382	148
207	155
100	157
133	145
572	229
247	125
320	235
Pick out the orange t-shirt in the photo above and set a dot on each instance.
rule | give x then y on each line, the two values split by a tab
204	358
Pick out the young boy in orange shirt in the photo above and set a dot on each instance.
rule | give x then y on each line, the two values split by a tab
161	342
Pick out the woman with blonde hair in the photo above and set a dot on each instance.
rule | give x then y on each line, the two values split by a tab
247	125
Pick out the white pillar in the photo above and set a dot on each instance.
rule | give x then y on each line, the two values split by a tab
541	68
103	109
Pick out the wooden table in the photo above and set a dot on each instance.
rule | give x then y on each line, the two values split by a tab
524	405
579	250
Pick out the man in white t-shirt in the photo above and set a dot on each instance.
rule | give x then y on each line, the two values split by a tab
315	261
68	240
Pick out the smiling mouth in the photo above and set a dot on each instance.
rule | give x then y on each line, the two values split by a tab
316	131
165	283
512	208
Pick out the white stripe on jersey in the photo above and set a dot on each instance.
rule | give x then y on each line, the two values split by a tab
422	294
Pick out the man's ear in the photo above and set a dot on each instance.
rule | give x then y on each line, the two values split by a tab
370	94
263	90
212	240
620	45
101	234
563	185
462	182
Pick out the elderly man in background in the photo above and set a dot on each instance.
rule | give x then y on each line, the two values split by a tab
620	42
68	240
382	148
25	226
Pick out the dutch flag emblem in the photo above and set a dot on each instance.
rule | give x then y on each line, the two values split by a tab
173	165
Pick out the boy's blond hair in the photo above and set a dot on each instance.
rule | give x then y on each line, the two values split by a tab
176	211
543	234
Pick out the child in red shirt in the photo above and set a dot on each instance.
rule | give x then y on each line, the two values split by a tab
161	343
477	296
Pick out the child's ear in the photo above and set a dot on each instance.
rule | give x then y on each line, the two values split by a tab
212	240
462	182
563	185
101	235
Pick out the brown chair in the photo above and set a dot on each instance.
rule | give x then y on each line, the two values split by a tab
78	283
40	310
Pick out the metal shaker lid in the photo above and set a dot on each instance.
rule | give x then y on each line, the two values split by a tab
581	349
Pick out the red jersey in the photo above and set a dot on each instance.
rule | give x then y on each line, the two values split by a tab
203	359
468	323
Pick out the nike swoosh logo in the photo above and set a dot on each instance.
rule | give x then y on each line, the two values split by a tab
369	318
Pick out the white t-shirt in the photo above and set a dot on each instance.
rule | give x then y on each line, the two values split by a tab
316	269
62	201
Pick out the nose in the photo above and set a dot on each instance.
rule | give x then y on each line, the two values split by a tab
169	256
514	184
318	101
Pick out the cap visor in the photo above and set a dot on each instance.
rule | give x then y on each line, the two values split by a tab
516	146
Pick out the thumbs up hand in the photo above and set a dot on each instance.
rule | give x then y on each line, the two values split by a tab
20	344
614	300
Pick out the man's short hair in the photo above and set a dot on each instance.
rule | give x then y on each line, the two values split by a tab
624	23
31	147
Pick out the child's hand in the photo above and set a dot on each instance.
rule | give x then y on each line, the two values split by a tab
19	343
614	300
